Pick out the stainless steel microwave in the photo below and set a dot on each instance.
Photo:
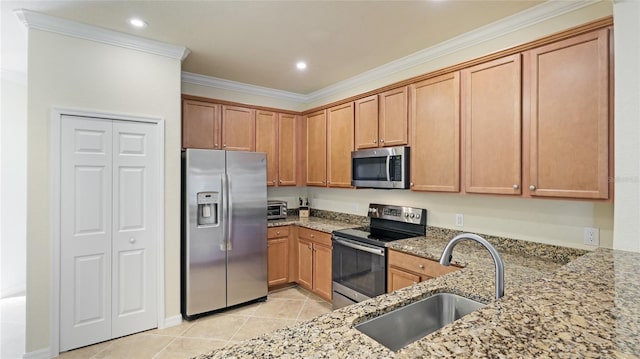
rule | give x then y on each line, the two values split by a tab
380	168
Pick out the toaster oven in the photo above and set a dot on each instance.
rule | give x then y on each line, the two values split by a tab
276	209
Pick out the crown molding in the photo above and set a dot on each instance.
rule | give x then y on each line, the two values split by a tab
223	84
545	11
510	24
39	21
14	76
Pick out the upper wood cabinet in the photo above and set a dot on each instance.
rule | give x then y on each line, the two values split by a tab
276	135
366	122
435	142
393	130
567	111
491	117
382	120
200	125
317	148
238	128
339	145
267	141
287	149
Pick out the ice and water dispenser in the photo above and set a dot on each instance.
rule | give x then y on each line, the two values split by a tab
208	207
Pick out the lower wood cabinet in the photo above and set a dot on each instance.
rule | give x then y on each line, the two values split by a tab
405	269
278	255
314	261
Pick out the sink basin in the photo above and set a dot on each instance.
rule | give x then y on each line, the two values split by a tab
407	324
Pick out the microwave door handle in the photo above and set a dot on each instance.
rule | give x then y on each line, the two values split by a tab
388	168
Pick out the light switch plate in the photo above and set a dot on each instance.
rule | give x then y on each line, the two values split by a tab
459	220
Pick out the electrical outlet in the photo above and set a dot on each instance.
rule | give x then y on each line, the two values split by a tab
459	220
591	236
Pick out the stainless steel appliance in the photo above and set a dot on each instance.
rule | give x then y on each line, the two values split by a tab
359	256
380	168
276	209
224	230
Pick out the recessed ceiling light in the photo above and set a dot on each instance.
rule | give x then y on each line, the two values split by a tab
137	22
301	65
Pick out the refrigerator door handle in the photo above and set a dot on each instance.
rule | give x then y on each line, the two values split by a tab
225	214
230	213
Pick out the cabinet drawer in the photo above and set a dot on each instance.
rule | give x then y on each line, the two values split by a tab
278	232
315	236
422	266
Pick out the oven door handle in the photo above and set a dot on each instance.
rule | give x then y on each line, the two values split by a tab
376	251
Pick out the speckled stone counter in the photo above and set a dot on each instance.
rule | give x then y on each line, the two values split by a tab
586	308
319	224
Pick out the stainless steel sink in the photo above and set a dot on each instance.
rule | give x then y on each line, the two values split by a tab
407	324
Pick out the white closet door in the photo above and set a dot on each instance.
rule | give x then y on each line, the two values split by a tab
135	227
85	231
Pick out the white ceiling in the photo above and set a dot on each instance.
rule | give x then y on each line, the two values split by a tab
259	42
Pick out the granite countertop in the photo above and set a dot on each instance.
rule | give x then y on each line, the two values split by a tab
586	308
319	224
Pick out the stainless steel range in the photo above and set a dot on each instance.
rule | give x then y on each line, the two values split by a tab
359	259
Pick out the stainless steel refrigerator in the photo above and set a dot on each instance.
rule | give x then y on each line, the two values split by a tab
224	230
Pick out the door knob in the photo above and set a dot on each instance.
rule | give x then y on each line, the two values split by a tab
132	240
532	187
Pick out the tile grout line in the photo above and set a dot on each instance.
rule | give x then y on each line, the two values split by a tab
165	347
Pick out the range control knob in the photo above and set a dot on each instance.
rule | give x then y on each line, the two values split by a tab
406	215
412	215
417	215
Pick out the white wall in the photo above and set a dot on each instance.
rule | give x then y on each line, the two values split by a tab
74	73
13	187
627	125
555	222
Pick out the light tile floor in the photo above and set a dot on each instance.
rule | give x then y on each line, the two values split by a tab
12	327
283	308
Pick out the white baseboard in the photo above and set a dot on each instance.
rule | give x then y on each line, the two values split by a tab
170	322
38	354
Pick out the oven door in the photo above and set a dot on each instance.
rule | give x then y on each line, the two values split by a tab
358	271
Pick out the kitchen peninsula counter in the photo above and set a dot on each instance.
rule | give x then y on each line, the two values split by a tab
586	308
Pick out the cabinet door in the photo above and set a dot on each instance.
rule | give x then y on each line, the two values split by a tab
366	122
238	128
568	113
397	279
491	117
305	264
287	150
317	149
435	149
278	261
322	270
339	145
393	122
266	141
200	125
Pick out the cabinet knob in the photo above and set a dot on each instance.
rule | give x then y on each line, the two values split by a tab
411	184
309	247
515	186
532	187
225	145
421	266
313	236
280	181
215	145
274	181
277	232
382	140
374	141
